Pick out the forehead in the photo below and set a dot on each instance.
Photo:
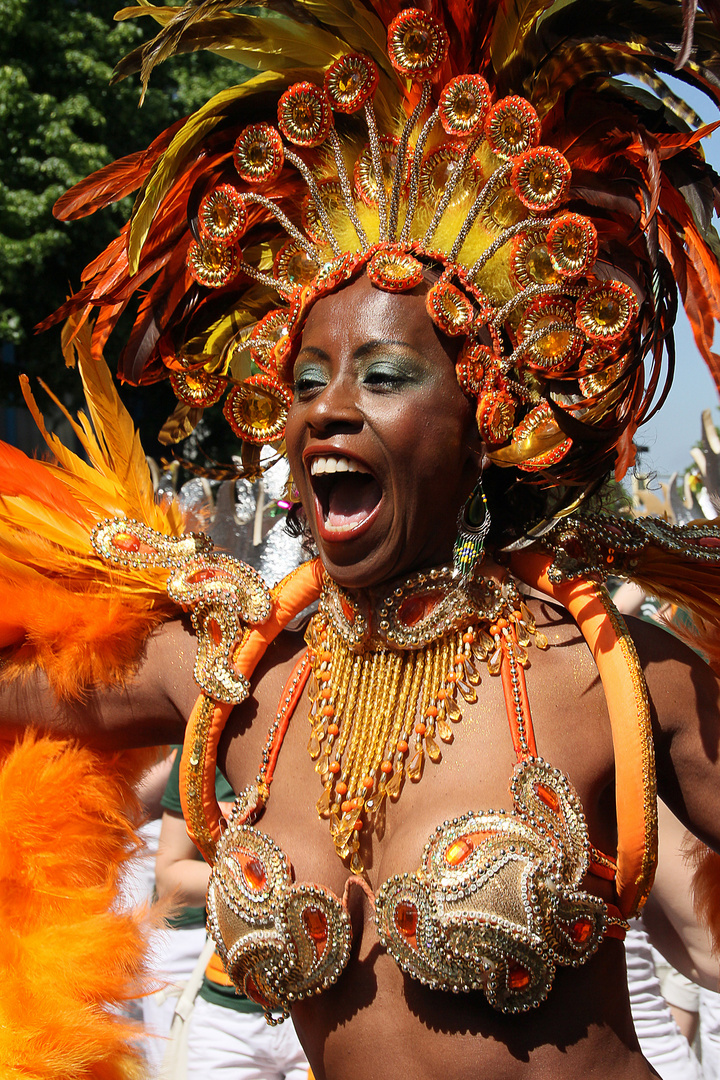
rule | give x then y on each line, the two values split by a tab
359	313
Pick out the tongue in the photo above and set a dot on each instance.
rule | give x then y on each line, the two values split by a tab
351	500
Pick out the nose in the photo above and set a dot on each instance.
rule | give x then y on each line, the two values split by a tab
335	409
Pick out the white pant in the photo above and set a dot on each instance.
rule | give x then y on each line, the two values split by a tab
221	1043
224	1044
710	1033
660	1039
172	957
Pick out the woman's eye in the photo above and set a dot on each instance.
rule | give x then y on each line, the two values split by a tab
385	377
309	380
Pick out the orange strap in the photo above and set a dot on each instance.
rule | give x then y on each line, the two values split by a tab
208	718
627	701
518	711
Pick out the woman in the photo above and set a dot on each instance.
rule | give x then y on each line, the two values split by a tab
485	317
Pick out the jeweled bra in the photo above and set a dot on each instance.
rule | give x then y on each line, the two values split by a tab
282	940
496	904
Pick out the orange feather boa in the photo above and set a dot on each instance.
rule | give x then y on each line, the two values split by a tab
70	954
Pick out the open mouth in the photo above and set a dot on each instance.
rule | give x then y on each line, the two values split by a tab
347	496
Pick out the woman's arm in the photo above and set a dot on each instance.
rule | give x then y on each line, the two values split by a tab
669	917
150	708
180	871
685	708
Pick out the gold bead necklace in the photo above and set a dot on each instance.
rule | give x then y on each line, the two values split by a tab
387	685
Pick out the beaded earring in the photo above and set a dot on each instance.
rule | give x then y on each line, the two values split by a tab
473	527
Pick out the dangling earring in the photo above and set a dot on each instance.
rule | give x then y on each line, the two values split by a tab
473	527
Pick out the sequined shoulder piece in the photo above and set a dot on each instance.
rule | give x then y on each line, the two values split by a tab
496	903
279	941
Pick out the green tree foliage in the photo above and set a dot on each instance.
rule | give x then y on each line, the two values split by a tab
59	121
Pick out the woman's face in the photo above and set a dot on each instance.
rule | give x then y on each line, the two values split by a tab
381	440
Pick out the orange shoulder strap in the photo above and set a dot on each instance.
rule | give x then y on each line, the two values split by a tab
208	718
627	701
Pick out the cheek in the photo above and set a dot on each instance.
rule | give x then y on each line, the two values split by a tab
293	431
438	433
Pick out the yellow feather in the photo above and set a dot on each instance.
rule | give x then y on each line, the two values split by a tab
54	525
511	25
185	142
359	27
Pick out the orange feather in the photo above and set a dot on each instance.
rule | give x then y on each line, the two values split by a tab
77	952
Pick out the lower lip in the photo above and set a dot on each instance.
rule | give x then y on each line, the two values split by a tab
339	536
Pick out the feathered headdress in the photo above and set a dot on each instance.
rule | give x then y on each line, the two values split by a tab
497	149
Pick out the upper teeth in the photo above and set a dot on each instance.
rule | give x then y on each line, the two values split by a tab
322	465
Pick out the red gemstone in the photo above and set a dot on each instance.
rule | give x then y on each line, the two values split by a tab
215	630
252	992
315	924
415	608
518	976
125	542
411	611
458	851
581	930
548	796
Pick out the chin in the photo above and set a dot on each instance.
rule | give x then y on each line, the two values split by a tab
355	564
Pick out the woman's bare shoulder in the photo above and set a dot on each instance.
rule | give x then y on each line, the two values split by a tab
248	724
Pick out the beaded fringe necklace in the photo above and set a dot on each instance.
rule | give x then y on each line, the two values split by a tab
388	683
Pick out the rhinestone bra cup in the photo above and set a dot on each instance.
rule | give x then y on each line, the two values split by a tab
495	905
279	941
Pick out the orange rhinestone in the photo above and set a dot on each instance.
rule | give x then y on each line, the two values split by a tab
315	924
432	711
494	630
460	658
368	783
406	918
458	851
125	542
328	710
334	767
254	872
333	729
386	767
341	788
402	746
420	728
441	695
468	638
326	692
358	825
548	796
451	677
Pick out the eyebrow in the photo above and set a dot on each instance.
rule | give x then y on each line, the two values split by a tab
363	350
371	346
